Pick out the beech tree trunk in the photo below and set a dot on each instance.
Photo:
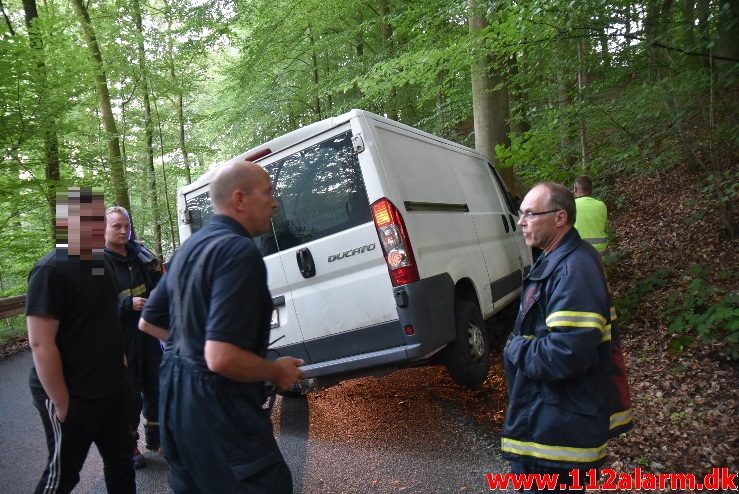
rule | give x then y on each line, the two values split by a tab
314	74
490	106
148	128
117	171
48	118
386	33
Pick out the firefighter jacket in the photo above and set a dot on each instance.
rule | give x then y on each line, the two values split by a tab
591	220
567	391
136	275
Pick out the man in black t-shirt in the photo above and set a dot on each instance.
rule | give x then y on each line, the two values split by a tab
214	308
78	381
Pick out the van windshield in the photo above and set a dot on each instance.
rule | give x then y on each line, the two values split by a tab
320	191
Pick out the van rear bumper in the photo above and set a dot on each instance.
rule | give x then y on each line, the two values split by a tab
363	362
428	306
426	323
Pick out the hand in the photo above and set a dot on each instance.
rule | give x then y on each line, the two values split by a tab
138	303
286	372
61	410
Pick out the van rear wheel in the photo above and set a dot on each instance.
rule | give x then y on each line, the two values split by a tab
467	358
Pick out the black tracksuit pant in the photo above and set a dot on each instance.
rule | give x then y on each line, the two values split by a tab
101	421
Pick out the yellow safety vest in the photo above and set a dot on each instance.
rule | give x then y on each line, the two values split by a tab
591	221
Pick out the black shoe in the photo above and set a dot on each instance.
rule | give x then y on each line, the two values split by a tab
138	459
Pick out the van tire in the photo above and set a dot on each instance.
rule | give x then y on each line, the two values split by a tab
467	358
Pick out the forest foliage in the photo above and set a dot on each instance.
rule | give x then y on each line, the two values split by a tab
141	96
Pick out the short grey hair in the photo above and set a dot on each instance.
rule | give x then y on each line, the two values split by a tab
560	197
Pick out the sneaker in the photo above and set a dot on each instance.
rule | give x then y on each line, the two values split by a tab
138	459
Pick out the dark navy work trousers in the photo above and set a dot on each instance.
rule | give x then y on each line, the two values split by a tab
215	436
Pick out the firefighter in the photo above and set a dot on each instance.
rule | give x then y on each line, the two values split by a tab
213	308
564	372
137	271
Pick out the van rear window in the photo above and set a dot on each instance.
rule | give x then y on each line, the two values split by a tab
320	190
201	209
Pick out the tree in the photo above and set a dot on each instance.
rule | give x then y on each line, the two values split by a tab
47	120
117	172
490	103
148	126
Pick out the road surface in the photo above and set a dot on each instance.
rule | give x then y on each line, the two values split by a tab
412	431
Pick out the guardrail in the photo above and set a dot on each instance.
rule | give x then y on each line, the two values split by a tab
12	306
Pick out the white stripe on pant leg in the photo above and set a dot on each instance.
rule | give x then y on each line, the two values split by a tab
52	482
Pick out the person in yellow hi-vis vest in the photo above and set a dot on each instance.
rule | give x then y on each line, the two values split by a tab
592	214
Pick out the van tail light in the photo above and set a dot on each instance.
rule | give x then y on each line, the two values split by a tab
396	245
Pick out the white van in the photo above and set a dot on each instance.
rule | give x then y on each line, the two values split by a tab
389	249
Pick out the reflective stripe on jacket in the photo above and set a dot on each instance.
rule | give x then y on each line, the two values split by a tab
564	401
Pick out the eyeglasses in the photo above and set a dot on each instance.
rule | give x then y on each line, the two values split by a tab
530	214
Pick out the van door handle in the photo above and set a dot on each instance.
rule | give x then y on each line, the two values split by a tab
505	223
305	262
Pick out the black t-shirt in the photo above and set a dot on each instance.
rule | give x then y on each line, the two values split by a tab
227	300
82	296
218	281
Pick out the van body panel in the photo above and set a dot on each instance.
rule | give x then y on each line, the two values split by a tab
356	342
355	289
338	347
363	362
429	171
321	188
420	166
428	306
336	306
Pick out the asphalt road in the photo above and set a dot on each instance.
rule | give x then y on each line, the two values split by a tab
409	432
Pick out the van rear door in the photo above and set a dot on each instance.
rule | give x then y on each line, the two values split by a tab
285	333
333	263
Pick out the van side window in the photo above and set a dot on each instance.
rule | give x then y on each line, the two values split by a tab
320	191
507	197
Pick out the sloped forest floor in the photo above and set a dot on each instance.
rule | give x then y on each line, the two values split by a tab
668	234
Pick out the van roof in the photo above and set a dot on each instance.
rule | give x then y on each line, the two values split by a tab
302	134
279	143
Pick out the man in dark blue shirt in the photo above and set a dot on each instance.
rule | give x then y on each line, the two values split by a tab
213	308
